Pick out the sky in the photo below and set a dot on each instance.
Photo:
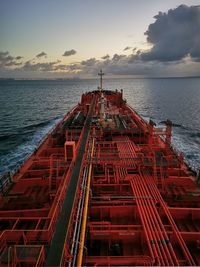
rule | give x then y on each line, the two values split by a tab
76	38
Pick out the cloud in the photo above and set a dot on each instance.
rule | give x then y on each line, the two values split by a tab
74	67
45	67
89	62
42	54
6	60
105	57
174	35
117	57
18	57
127	48
69	53
67	68
132	65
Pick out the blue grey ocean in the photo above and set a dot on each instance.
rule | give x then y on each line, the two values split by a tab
29	109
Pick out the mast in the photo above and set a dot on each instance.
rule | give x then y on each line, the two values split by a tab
101	80
102	100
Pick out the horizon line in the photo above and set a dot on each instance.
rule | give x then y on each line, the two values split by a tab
94	78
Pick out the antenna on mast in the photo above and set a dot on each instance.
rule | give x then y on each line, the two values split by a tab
101	79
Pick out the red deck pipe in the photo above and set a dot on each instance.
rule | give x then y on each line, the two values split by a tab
157	222
147	226
151	225
175	229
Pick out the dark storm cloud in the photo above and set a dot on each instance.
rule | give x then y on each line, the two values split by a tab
69	53
127	48
42	54
105	57
6	60
174	35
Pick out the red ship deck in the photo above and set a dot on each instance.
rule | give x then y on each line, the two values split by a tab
105	188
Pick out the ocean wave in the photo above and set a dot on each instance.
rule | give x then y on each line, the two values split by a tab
14	158
25	131
183	143
195	134
37	125
175	125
